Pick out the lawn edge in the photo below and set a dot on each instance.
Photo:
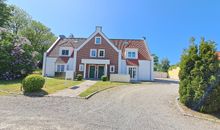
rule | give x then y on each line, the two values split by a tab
92	94
192	115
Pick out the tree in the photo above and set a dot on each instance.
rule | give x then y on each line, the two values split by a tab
156	62
199	81
4	13
19	19
165	65
17	58
40	36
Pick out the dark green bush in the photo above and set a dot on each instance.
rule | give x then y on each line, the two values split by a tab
104	78
33	83
79	77
199	82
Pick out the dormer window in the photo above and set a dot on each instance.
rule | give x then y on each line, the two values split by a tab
131	53
65	52
97	40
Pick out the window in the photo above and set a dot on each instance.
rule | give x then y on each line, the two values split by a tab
65	52
60	68
131	54
97	40
81	67
112	68
93	53
101	53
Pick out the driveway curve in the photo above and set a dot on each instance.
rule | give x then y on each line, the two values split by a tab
147	106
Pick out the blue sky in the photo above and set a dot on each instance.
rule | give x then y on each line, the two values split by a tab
167	24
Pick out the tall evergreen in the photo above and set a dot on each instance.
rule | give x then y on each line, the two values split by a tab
199	84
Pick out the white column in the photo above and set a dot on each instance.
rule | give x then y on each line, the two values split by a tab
84	72
106	69
44	65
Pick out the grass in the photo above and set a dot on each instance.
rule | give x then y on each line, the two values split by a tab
52	85
100	85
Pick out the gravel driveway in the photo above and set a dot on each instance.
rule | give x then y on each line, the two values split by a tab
148	106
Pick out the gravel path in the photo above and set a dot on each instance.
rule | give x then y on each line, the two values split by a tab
75	90
148	106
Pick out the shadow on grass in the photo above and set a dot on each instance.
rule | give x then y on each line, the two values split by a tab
40	93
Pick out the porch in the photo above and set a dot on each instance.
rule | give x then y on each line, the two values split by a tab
95	68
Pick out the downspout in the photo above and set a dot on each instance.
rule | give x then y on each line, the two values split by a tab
44	64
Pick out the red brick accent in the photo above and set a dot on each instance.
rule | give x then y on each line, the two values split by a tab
110	53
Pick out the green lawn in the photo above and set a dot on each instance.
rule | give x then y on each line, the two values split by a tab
100	85
52	85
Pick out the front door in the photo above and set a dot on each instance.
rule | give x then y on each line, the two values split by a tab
91	72
132	71
100	71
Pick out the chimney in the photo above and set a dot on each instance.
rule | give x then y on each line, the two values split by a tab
62	36
99	28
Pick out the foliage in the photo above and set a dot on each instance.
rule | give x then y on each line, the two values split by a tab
17	58
104	78
165	65
19	19
161	66
79	77
5	13
33	83
40	37
173	67
199	84
156	62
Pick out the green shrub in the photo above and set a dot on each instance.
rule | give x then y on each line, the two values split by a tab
199	82
104	78
33	83
79	77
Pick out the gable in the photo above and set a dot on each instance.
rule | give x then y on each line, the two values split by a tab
103	37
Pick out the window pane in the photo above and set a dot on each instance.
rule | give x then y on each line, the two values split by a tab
133	54
129	54
98	40
62	68
58	68
101	53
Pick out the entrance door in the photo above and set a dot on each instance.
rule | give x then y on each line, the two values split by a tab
100	71
132	71
91	72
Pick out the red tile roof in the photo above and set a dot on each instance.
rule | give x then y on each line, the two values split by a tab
132	62
218	55
121	44
62	59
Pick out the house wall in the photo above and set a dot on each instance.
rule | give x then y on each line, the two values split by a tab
144	70
50	67
123	67
110	53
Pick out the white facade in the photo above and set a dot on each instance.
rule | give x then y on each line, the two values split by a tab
144	70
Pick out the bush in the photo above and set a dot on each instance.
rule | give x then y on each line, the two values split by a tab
199	82
79	77
104	78
33	83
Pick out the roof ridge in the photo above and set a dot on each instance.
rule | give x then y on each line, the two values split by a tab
125	39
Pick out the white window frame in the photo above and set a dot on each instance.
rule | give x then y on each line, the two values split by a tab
103	53
81	67
131	50
112	66
65	48
91	50
60	68
96	41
